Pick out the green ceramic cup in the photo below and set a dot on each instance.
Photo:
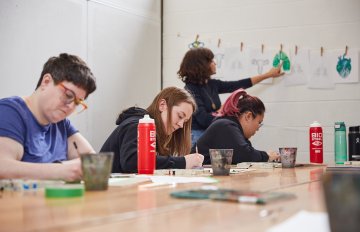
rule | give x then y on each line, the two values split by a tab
96	170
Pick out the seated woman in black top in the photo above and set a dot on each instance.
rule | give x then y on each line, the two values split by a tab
195	71
172	111
240	118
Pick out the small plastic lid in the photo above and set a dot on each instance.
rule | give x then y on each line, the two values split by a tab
354	129
64	191
315	124
146	119
340	126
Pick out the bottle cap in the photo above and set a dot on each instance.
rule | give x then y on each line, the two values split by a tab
340	126
354	129
146	119
315	124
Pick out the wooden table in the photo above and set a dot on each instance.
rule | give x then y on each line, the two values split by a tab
131	209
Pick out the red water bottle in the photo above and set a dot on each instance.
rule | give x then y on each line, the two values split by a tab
146	145
316	143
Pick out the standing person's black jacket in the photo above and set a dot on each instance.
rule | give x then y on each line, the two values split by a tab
207	95
123	142
227	133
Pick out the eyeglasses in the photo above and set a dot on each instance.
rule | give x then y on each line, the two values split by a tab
70	97
261	124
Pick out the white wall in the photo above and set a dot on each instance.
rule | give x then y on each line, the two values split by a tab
119	39
306	23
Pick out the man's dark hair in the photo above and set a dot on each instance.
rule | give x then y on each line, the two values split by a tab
69	68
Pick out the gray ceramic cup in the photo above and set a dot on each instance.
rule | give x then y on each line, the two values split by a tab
221	161
288	156
96	170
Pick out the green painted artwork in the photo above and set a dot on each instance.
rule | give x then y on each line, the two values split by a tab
343	66
196	44
282	57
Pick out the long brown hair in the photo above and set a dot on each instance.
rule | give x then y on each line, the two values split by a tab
195	66
179	142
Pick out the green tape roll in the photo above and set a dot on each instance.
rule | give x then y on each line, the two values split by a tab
64	191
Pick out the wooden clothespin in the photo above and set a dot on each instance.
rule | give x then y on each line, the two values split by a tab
281	47
241	46
196	43
346	50
296	50
219	42
321	51
262	48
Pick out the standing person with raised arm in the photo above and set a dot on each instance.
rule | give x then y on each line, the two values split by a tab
195	71
37	141
172	111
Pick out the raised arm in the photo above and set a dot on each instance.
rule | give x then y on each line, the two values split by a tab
273	72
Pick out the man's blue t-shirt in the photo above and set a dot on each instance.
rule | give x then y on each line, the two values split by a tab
42	144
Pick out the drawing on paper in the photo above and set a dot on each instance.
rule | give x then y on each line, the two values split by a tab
321	72
196	44
218	59
260	63
299	70
282	57
235	63
343	66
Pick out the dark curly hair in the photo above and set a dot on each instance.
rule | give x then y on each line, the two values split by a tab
195	66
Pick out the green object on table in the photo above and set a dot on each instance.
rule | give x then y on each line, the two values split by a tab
281	56
340	143
64	191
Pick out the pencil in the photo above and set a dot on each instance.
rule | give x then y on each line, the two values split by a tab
76	148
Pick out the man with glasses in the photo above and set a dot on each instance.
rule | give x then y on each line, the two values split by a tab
37	141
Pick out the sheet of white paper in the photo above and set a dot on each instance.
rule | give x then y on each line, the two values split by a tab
234	170
299	68
304	221
181	179
219	56
261	62
236	63
124	181
345	68
320	73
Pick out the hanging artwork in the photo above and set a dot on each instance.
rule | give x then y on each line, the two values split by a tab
281	57
196	43
261	62
320	71
219	57
345	66
236	63
299	70
302	67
